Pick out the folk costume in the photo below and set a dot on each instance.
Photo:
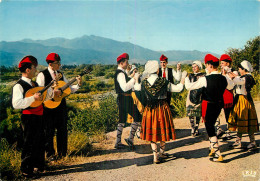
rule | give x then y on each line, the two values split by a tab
169	74
228	98
213	86
243	117
193	102
31	120
157	121
123	87
56	118
134	117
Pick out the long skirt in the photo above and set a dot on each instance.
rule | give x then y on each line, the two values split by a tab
157	123
243	118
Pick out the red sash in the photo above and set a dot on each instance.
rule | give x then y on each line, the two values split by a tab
204	106
36	111
228	98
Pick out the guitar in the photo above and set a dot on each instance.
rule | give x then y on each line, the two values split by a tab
42	90
65	89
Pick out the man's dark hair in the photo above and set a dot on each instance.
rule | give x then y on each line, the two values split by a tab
25	66
121	60
214	64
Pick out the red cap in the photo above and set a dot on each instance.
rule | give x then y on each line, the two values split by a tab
225	57
52	57
163	58
123	56
28	59
210	57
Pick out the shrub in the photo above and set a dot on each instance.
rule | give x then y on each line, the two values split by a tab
92	118
10	161
178	101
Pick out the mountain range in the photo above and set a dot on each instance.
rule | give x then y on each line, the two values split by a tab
87	50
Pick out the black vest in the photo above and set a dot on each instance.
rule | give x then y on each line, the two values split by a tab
170	76
48	79
117	86
216	85
25	87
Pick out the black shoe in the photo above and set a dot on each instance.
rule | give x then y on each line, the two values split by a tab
119	146
220	134
130	143
52	158
225	138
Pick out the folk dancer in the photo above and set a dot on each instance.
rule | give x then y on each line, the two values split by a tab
243	117
123	87
56	118
193	102
157	121
31	120
214	86
169	74
228	97
134	117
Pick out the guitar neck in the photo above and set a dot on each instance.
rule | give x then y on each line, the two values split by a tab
47	87
68	84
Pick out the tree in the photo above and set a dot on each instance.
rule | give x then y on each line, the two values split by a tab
250	53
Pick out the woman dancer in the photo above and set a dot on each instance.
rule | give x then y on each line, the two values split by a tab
193	102
157	121
243	118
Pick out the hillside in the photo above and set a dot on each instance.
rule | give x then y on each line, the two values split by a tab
86	50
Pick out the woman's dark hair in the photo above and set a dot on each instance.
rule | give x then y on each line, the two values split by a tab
240	66
25	66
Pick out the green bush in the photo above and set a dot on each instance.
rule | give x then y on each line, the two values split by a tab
178	101
10	160
92	118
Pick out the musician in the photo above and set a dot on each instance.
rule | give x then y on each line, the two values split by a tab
214	86
123	87
169	74
55	118
31	119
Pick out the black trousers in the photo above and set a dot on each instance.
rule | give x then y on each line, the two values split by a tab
33	143
56	120
212	113
227	112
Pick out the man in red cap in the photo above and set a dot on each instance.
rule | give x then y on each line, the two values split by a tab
226	67
31	119
214	86
55	118
169	74
123	87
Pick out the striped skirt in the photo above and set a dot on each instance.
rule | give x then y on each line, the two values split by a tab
157	123
243	118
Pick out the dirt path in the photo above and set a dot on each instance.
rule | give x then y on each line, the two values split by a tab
189	160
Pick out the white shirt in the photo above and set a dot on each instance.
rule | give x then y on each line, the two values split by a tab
241	82
125	86
175	74
152	78
202	82
41	80
21	102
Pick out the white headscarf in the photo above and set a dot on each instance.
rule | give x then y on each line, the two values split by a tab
132	69
247	65
151	66
198	63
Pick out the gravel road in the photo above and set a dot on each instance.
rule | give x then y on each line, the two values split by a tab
189	160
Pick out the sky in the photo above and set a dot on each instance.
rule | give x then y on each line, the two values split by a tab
161	25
